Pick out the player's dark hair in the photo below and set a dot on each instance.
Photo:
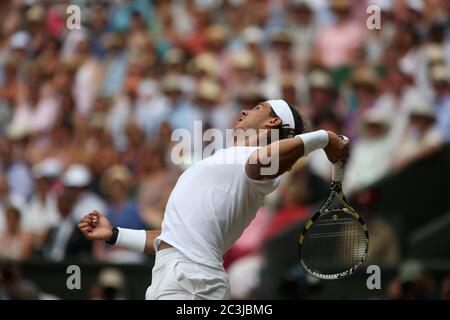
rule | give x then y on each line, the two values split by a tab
285	131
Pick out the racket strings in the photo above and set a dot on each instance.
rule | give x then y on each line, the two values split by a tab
335	243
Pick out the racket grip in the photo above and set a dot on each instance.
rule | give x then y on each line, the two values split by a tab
337	172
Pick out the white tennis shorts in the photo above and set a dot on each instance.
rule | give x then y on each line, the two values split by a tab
175	277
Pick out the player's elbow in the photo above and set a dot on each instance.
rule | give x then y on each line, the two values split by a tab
253	171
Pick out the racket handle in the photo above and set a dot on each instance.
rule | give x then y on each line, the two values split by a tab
337	172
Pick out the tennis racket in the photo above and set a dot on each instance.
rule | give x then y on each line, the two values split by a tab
334	242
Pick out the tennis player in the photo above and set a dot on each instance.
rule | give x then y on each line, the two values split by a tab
214	201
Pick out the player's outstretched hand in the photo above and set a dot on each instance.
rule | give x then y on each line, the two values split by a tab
338	149
95	226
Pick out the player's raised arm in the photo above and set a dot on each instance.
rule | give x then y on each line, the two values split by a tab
288	151
95	226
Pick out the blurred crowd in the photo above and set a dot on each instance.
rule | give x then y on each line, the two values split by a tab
86	115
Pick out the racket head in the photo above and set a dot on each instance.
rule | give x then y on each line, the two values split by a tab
334	243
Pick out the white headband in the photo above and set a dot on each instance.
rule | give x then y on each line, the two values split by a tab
281	108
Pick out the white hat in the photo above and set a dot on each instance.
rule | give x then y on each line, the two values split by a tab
77	175
377	115
111	277
421	108
209	89
253	34
243	60
16	131
47	168
416	5
147	88
411	271
320	80
385	5
19	40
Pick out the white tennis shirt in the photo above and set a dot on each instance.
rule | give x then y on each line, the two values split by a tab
212	204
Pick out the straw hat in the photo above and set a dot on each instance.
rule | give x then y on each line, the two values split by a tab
116	173
320	80
365	77
111	278
243	60
205	62
439	74
208	90
171	83
422	109
216	33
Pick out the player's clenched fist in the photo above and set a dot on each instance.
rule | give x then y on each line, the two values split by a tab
95	226
338	149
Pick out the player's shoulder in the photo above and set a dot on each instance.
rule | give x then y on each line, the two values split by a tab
243	151
230	155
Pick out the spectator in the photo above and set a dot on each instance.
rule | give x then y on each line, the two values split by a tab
384	245
130	156
321	95
13	286
116	64
156	182
8	91
253	37
304	29
214	114
180	111
16	167
445	288
216	43
11	237
37	108
416	282
441	102
123	212
396	100
242	73
337	44
87	76
365	91
109	286
65	241
41	212
76	180
150	109
373	150
4	199
421	139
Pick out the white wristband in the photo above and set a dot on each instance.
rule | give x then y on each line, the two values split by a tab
313	141
130	239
